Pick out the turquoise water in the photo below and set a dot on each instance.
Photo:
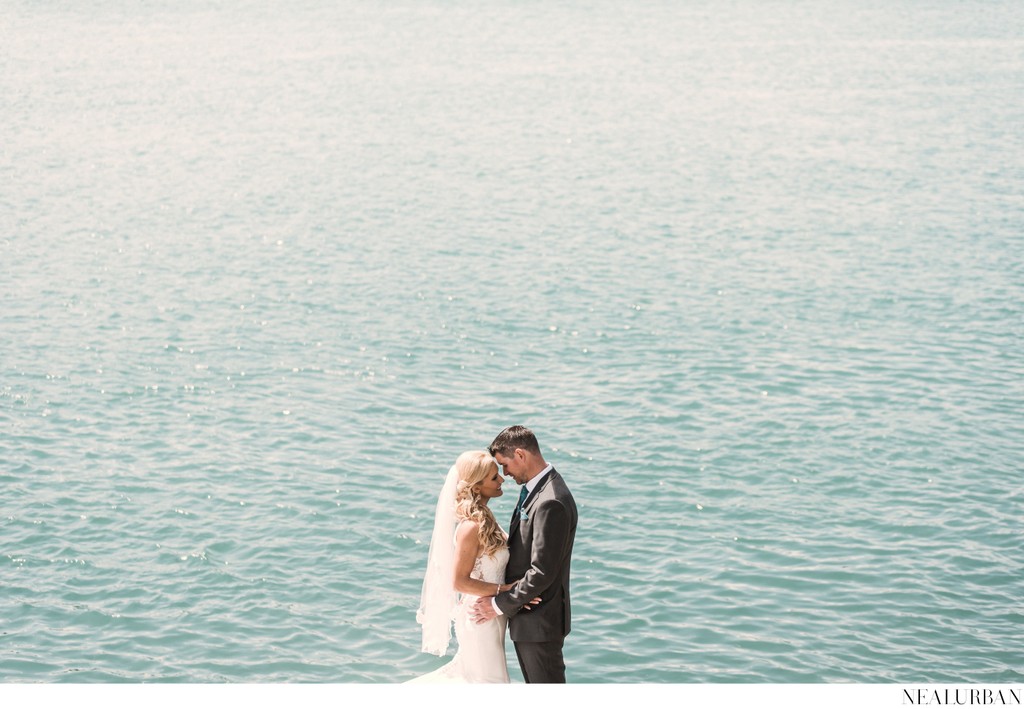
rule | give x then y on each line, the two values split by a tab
751	270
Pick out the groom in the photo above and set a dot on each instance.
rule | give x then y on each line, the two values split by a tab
540	541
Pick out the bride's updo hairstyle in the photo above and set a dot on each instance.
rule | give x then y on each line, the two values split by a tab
474	467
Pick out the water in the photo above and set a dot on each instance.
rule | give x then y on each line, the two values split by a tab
751	270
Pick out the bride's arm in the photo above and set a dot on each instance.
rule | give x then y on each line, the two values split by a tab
467	547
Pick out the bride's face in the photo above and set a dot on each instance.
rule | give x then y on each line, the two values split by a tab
491	485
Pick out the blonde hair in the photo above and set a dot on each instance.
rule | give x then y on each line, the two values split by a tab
474	467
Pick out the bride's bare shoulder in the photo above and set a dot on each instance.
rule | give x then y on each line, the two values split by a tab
467	529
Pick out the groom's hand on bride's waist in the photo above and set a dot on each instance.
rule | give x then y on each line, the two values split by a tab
483	611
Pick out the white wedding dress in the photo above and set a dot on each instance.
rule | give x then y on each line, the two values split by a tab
481	655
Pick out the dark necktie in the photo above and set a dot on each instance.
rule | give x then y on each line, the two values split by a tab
523	492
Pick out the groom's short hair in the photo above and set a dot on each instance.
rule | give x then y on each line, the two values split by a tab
514	437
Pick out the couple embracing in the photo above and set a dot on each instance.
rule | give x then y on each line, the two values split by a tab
484	579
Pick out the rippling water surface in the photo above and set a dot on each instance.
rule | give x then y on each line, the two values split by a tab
751	270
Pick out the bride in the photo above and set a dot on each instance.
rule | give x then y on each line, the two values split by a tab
459	572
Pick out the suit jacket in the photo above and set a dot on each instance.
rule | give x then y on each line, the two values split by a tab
540	552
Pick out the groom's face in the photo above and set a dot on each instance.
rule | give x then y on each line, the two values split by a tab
513	466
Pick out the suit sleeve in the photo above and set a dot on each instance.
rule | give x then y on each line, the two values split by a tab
547	554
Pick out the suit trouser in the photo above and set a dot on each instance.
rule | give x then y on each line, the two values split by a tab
542	663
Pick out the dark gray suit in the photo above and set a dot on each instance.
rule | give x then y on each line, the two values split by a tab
540	551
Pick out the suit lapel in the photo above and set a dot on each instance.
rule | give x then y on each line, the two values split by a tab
529	502
514	524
